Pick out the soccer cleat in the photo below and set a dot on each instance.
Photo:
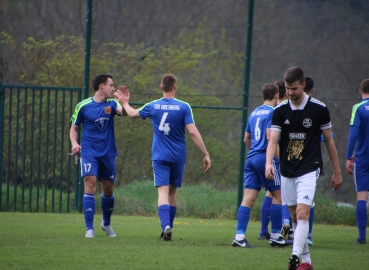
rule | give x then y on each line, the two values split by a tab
285	230
90	233
108	230
167	234
360	242
293	262
290	235
241	243
266	236
277	242
310	241
305	266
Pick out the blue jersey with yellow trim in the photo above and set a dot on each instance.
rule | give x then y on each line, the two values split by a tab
359	130
169	117
97	119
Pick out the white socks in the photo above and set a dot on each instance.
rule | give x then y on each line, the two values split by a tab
300	237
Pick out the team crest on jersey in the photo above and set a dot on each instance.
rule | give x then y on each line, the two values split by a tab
107	110
307	122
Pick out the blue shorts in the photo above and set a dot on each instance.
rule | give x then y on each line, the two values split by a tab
167	173
254	174
361	175
102	168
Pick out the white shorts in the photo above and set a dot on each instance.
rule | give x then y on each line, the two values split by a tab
299	189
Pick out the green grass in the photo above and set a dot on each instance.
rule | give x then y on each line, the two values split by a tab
140	198
56	241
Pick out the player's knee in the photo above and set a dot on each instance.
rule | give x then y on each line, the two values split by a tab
302	214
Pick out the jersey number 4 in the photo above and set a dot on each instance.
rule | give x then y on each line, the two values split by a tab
164	126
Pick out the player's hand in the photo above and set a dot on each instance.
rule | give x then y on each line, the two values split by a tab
207	163
336	181
269	172
122	95
76	149
349	165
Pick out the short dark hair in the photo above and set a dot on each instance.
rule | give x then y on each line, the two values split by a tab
269	90
309	84
99	79
167	82
365	86
282	89
294	74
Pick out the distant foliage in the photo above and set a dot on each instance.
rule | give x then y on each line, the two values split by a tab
61	62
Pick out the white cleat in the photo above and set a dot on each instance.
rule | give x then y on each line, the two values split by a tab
108	230
90	233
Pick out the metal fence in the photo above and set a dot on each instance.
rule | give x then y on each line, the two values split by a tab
222	53
38	175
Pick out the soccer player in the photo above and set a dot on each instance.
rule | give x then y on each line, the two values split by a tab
359	134
97	150
267	202
297	124
169	118
309	90
287	225
256	139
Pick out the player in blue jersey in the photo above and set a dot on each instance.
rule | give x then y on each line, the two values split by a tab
267	201
97	149
256	139
296	127
169	118
359	134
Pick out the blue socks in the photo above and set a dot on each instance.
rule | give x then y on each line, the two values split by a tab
173	210
276	217
286	218
243	217
107	206
265	215
164	215
361	218
89	207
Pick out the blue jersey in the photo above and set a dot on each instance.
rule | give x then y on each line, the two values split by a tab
258	122
97	119
169	117
359	131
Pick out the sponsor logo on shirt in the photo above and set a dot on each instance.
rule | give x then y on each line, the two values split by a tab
107	110
307	122
167	107
287	122
102	120
297	136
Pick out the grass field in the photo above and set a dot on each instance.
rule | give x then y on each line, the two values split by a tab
56	241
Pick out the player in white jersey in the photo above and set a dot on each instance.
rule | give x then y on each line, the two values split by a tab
170	118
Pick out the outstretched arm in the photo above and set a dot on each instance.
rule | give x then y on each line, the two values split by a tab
197	139
122	96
